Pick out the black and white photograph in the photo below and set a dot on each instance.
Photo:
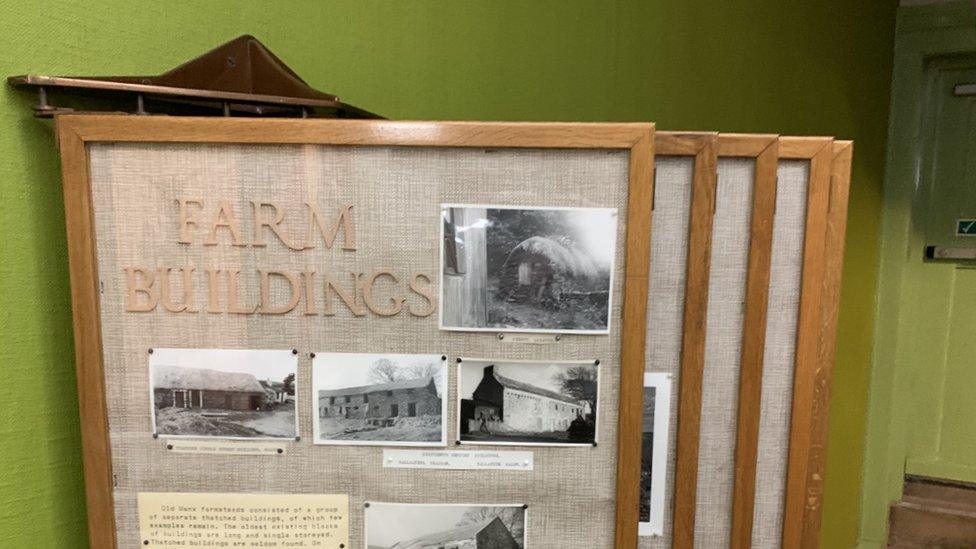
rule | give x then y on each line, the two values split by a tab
527	269
443	526
379	399
223	393
527	402
654	452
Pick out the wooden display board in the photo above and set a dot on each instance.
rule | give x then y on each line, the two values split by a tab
123	177
623	178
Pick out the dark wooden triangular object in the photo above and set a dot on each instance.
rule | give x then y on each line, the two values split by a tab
241	76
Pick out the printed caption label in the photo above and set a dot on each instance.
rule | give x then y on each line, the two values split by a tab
311	521
458	459
227	447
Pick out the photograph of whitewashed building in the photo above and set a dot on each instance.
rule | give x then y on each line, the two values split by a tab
527	402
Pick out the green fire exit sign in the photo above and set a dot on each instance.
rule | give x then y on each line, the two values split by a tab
966	227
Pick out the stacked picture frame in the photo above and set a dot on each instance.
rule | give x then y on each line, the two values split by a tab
399	178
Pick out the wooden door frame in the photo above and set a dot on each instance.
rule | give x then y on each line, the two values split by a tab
76	131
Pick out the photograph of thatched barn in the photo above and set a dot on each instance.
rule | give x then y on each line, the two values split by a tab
379	399
527	402
527	269
183	387
423	526
223	393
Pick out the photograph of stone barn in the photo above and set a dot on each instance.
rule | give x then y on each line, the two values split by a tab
379	399
223	393
382	404
527	402
444	526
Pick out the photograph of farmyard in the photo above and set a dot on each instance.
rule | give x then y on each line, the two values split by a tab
527	269
223	393
379	399
439	526
527	402
654	452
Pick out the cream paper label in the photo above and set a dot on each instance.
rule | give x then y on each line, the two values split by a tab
226	447
244	520
458	459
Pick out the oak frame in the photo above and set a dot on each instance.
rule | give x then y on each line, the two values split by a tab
826	216
75	131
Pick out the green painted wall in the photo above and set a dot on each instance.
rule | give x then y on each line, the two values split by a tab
794	67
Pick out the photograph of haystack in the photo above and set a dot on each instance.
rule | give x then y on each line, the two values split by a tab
526	403
421	526
225	393
379	399
530	270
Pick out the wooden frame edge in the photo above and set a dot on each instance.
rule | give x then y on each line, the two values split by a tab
808	338
85	307
830	309
744	145
634	339
753	346
697	272
183	129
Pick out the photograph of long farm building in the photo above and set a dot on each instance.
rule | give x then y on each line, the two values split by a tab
379	399
225	393
418	526
507	402
527	269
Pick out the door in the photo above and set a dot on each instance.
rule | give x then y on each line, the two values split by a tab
179	399
412	409
938	297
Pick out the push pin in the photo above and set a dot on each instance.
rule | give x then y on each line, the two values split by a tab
294	351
